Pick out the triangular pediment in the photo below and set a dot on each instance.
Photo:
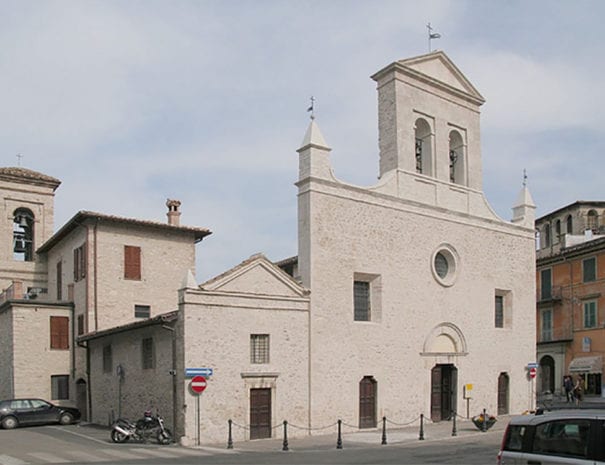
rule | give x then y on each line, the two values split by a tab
437	65
256	276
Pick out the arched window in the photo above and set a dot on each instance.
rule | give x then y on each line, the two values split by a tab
547	235
23	235
557	230
456	158
569	222
592	220
423	147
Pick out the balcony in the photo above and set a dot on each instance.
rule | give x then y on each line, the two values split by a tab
558	334
550	296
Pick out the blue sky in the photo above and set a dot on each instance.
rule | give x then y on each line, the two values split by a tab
133	102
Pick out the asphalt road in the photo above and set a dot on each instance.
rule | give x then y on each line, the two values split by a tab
86	444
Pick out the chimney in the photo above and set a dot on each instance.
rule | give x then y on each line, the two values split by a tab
173	212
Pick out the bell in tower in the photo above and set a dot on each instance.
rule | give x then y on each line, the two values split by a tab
23	234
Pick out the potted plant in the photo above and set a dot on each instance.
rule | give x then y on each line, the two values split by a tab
484	419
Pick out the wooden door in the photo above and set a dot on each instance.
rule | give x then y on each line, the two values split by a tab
81	398
503	383
367	402
444	381
436	393
260	413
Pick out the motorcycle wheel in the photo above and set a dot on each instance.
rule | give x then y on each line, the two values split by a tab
165	437
118	437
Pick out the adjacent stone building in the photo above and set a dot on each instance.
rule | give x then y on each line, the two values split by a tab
97	271
570	270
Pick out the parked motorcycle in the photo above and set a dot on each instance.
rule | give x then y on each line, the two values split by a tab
143	430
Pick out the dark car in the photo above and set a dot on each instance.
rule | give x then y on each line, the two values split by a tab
15	412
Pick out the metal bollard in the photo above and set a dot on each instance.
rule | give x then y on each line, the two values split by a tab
285	445
384	431
339	440
484	424
454	431
230	440
421	437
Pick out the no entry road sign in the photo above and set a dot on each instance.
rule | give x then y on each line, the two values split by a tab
532	372
198	384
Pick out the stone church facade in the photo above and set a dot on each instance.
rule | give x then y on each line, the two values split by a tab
405	297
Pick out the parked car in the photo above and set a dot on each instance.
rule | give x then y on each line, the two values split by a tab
16	412
573	437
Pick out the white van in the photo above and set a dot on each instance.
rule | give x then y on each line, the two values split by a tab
563	436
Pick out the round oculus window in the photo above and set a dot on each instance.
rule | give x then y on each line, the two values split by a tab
441	265
444	265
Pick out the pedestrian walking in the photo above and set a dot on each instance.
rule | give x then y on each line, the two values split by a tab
568	386
578	390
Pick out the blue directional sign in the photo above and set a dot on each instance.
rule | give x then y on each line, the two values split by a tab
191	372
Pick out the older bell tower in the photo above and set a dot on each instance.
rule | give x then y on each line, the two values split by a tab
27	222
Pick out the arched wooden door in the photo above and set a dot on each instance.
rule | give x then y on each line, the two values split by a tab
444	382
367	402
503	393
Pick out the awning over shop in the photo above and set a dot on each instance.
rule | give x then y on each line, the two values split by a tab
586	365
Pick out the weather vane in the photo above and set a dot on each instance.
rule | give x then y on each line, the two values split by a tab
524	177
312	107
432	35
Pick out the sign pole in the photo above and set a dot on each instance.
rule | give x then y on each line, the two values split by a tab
197	422
197	386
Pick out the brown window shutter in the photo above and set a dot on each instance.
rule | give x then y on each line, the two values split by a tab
132	262
59	332
83	260
76	277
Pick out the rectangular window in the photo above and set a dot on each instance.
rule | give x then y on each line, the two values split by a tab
361	300
59	280
562	439
59	332
545	284
132	262
142	311
59	387
259	348
589	270
80	325
590	314
546	326
147	353
107	359
499	311
80	263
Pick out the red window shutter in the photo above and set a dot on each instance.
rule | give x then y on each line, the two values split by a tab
59	332
132	262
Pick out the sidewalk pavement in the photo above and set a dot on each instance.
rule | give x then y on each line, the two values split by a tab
363	438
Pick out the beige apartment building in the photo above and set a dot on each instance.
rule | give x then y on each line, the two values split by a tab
97	271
